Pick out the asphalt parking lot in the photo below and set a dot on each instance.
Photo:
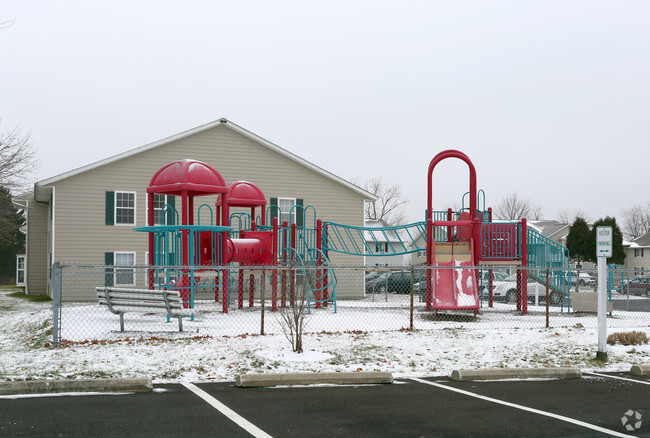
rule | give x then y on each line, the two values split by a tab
594	405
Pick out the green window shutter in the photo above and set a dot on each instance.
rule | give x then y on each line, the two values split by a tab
300	213
274	208
110	208
171	200
108	272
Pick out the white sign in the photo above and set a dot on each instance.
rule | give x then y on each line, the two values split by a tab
604	241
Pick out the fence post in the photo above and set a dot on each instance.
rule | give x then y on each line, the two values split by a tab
547	298
56	302
412	281
262	297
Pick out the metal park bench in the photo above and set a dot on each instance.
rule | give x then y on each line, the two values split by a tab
164	302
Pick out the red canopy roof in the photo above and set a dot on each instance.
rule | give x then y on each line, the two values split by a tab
191	176
244	194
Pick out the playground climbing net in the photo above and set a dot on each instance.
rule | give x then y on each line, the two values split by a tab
365	299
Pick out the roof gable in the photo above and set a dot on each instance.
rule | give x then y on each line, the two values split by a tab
642	240
220	122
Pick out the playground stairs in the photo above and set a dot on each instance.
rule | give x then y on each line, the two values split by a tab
460	251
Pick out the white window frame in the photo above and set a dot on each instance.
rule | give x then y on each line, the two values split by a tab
291	213
23	270
134	208
146	210
115	270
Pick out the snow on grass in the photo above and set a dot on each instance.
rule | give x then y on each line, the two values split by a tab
437	348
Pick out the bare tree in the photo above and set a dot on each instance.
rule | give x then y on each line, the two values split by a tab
17	159
293	316
389	205
512	207
567	216
636	221
7	24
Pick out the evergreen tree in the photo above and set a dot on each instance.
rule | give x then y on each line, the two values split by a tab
12	239
618	252
579	240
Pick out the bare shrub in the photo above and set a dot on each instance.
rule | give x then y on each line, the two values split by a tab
627	338
294	314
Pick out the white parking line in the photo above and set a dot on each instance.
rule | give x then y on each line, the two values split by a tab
525	408
615	377
225	410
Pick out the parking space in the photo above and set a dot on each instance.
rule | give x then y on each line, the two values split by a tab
591	406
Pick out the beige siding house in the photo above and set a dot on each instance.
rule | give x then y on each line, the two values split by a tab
638	255
69	213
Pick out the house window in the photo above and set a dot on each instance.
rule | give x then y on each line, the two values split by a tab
286	212
381	248
125	208
20	270
159	202
124	276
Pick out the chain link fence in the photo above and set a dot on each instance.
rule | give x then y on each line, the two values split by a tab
250	300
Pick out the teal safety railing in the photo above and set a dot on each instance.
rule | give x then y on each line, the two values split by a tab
204	250
168	215
545	254
319	283
441	234
198	215
615	279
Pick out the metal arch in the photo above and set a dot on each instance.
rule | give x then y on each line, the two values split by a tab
452	153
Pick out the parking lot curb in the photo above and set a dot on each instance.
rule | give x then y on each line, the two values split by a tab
516	373
76	385
350	378
640	370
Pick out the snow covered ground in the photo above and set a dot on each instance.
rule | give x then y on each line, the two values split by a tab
435	348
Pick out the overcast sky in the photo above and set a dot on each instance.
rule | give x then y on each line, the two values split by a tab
549	99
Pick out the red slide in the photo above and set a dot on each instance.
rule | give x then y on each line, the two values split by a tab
455	288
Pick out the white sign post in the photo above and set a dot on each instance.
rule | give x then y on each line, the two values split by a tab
603	251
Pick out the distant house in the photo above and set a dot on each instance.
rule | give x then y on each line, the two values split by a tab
637	254
382	244
554	230
87	215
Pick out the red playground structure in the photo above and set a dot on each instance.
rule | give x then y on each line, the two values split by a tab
190	256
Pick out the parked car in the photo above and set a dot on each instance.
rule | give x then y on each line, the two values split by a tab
583	280
639	286
372	275
484	279
394	281
506	290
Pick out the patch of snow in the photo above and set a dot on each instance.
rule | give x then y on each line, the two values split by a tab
499	338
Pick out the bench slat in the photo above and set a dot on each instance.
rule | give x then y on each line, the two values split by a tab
143	309
137	297
138	304
105	289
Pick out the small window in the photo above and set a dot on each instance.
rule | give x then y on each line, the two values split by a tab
124	276
381	247
159	202
286	212
20	270
125	208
